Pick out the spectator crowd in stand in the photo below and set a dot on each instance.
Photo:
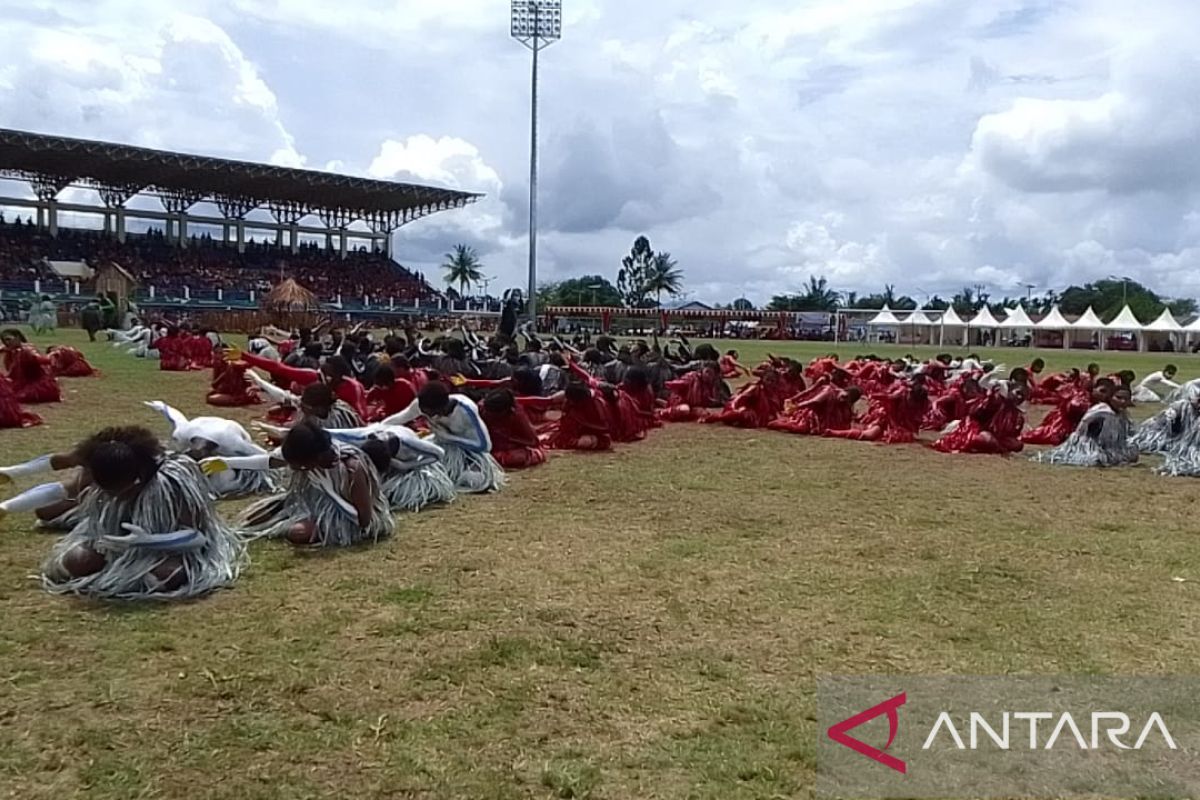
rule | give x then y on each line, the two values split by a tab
206	264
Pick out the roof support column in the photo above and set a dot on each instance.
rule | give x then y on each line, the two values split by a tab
294	235
52	214
120	213
342	249
114	197
235	209
239	229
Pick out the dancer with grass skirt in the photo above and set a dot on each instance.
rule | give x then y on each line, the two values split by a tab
334	497
146	529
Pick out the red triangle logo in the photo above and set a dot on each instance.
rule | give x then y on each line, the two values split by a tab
839	732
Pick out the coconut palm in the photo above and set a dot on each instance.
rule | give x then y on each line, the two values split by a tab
463	267
665	276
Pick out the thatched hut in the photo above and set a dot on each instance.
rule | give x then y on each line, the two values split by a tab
290	305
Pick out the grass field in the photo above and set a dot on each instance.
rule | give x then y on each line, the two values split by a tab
643	624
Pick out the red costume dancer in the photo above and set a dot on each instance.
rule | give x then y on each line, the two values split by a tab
692	394
199	351
390	394
819	367
754	406
827	407
335	370
230	386
29	371
951	406
67	362
515	444
584	424
730	367
893	417
172	352
624	419
1060	423
11	413
992	425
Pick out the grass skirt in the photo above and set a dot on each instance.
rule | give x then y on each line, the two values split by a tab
414	490
472	473
174	499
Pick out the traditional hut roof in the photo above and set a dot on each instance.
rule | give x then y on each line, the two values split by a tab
1125	321
290	296
1166	323
1054	321
1017	319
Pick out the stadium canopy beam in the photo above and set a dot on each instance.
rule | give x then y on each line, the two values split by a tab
288	213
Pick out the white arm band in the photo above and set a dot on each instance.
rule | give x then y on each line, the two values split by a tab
35	498
37	465
257	463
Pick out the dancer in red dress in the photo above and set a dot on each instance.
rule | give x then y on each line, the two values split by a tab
755	404
12	415
172	351
953	405
584	424
29	371
893	417
992	425
826	407
230	387
390	394
515	444
1060	423
730	366
335	372
693	394
67	362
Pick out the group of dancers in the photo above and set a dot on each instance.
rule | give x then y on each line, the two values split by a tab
359	430
28	377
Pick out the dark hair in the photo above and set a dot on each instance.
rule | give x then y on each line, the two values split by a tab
318	395
1093	368
434	395
313	350
384	375
706	352
527	382
557	360
637	377
1038	362
1171	368
1104	383
854	392
1019	374
13	332
454	348
577	391
1127	377
117	457
337	366
500	401
534	345
380	452
401	361
305	442
593	356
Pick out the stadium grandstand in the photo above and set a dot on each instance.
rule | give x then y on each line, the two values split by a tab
201	231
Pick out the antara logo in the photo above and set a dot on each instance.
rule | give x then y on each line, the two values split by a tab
838	732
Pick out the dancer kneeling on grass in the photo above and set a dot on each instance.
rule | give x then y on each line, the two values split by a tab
12	415
1102	438
515	443
208	437
334	498
30	371
410	468
147	528
317	404
68	362
459	430
1157	385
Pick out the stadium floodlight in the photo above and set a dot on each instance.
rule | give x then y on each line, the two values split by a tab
537	24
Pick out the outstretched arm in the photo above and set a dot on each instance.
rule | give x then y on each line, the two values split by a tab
271	390
410	414
279	370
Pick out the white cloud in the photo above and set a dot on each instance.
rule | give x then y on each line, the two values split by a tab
924	143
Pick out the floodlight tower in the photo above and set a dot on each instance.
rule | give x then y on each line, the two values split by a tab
537	24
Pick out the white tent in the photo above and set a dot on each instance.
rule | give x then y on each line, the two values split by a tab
1194	326
884	319
1088	322
918	318
1054	321
1125	321
951	319
984	319
1166	323
1017	319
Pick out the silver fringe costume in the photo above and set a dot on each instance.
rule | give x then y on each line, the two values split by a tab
320	496
409	489
472	473
1163	432
1102	439
175	498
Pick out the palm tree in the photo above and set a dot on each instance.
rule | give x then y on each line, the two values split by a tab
818	296
463	267
665	276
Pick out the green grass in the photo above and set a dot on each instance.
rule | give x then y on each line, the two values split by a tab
643	624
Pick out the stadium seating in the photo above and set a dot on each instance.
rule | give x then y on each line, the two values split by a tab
206	267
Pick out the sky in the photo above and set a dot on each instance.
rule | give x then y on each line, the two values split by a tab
927	144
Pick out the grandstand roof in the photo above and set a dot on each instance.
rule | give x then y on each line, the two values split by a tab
239	185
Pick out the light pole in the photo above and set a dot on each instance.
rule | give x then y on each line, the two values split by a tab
537	24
